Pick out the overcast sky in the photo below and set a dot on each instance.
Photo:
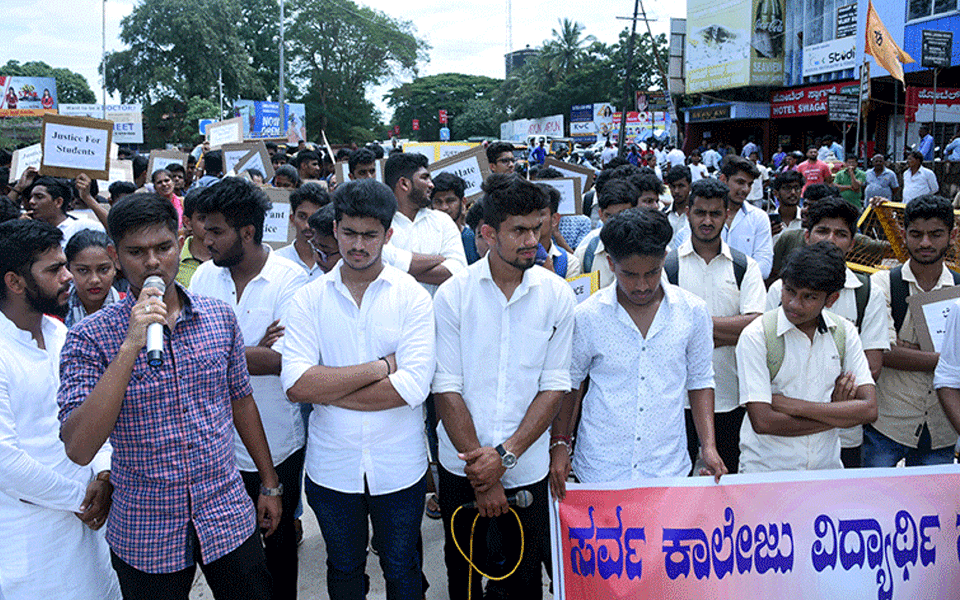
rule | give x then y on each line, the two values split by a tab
465	37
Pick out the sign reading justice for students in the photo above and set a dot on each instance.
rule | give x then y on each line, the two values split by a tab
74	145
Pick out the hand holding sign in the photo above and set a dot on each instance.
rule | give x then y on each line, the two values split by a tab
74	145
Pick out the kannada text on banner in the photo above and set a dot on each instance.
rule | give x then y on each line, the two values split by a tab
870	534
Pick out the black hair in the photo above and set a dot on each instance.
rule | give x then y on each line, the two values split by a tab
255	173
474	215
83	239
402	165
507	195
617	191
448	182
22	241
916	154
343	153
176	168
616	162
495	149
818	191
710	188
271	146
362	156
213	163
153	176
321	221
240	202
288	172
365	198
832	207
548	173
554	196
309	192
136	211
677	173
636	231
929	206
787	178
8	210
191	200
56	187
119	189
647	182
819	267
377	150
733	164
191	160
306	155
280	157
827	139
140	165
853	156
620	172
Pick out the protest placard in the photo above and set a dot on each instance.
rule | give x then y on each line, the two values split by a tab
161	159
470	165
229	131
571	200
930	312
74	145
256	158
584	285
276	227
585	174
23	159
120	170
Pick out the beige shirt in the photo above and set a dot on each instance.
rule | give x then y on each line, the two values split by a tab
907	399
600	262
716	283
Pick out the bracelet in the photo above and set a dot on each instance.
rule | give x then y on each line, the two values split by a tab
562	443
386	362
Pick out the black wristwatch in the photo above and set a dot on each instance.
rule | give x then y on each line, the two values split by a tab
507	459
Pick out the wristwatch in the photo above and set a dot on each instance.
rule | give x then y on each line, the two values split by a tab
268	491
507	459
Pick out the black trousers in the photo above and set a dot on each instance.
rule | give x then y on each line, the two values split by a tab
496	542
727	431
281	547
238	575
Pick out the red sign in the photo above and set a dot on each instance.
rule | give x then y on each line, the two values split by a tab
396	130
416	124
920	104
808	101
443	117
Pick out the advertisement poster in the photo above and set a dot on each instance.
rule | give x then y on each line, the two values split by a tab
27	96
864	534
920	105
127	119
261	120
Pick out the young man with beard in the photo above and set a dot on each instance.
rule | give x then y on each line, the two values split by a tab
732	286
360	348
501	158
258	285
786	189
47	201
304	201
179	498
308	165
50	507
517	318
632	421
813	169
911	423
430	235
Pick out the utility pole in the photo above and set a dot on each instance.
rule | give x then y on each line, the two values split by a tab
103	60
283	109
220	84
626	82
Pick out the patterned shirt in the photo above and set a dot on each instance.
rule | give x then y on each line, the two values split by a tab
173	462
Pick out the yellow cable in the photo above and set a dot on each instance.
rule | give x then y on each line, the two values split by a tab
469	559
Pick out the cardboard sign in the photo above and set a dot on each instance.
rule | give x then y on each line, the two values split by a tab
571	199
277	231
225	132
930	312
23	159
74	145
256	157
584	285
161	159
585	174
342	170
436	151
120	170
471	166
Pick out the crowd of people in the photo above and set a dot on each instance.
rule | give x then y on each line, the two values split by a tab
171	376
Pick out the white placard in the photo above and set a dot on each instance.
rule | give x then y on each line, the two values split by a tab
72	147
24	158
120	170
936	315
569	189
225	132
277	222
232	158
584	285
161	162
254	162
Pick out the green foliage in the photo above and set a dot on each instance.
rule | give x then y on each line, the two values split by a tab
72	88
197	108
423	98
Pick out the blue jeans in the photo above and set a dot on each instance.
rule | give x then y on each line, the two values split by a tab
881	451
396	524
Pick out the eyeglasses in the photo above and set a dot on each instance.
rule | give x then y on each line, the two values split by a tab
324	256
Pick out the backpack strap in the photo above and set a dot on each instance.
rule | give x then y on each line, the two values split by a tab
560	263
862	296
899	290
588	254
671	266
839	333
776	345
739	265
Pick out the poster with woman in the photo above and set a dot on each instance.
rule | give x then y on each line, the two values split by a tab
27	96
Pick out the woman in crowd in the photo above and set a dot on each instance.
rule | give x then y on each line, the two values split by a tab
93	275
163	184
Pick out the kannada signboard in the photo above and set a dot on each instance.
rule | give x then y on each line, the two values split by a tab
709	113
920	105
808	101
936	49
842	108
127	119
847	21
27	96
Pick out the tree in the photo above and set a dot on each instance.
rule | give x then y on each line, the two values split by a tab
338	51
72	88
562	53
424	97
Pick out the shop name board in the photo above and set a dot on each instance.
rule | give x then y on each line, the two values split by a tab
708	113
842	108
847	21
808	102
827	57
936	48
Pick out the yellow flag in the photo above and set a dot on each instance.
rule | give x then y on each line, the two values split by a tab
882	48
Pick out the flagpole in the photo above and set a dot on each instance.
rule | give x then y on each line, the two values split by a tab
896	92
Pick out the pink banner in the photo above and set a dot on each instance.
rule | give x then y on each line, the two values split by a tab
852	535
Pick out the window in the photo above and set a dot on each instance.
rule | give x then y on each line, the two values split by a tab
918	9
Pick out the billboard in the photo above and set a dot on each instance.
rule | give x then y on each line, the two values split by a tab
261	120
27	96
127	119
808	101
734	43
521	129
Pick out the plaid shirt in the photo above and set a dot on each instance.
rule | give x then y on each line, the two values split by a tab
173	461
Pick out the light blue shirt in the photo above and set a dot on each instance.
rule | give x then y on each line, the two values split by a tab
952	151
926	147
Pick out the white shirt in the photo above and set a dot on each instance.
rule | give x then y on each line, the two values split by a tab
325	326
265	299
716	283
711	158
632	421
600	262
873	332
676	157
808	372
749	233
290	253
698	172
607	155
47	552
574	268
498	354
924	181
756	190
71	226
430	232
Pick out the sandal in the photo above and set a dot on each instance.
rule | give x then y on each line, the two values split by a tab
432	507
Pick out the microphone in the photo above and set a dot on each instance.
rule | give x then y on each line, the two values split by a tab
155	330
521	499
